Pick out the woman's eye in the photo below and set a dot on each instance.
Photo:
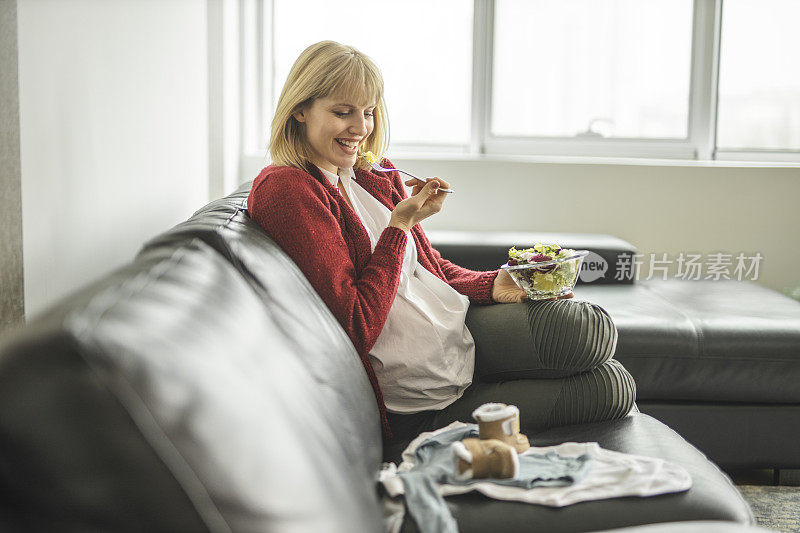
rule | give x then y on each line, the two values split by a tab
340	114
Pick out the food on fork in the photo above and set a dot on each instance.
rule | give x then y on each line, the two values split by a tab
370	157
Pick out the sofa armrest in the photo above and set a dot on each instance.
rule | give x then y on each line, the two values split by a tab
487	250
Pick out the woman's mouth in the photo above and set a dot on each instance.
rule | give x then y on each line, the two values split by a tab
348	147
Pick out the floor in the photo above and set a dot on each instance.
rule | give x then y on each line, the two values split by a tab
774	507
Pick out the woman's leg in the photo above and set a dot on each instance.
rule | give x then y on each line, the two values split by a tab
552	359
604	393
547	339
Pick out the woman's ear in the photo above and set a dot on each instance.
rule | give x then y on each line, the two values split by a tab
299	115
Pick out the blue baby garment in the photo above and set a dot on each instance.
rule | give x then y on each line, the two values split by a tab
434	465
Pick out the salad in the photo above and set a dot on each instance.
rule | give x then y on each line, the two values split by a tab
369	157
544	271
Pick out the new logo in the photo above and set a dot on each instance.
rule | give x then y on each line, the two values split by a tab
592	268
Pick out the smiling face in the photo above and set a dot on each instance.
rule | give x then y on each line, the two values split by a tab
334	128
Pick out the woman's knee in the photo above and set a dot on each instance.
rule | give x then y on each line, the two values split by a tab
604	393
572	335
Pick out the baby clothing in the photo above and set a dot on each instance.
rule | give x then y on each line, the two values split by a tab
555	476
435	465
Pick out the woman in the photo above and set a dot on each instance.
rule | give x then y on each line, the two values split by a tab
355	234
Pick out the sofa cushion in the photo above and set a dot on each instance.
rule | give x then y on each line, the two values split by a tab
166	397
711	497
296	308
708	340
765	435
487	250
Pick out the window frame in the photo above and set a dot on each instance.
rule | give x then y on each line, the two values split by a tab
256	70
701	115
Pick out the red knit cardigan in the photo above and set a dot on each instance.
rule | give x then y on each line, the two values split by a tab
311	221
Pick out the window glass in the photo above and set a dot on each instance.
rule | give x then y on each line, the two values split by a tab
423	49
759	77
616	68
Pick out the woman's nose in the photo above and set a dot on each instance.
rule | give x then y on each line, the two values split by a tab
359	126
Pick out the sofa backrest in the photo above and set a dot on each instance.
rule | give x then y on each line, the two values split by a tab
190	390
299	312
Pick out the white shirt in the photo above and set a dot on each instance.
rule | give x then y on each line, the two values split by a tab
425	355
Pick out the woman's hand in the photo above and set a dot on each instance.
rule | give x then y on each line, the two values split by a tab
505	291
424	201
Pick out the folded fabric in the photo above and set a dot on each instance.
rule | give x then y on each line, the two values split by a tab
435	465
608	474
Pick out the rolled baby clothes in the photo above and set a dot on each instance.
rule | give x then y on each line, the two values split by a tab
480	459
500	421
436	463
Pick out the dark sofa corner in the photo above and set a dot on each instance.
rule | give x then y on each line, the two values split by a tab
206	387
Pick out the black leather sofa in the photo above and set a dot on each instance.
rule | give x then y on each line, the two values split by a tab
206	387
716	360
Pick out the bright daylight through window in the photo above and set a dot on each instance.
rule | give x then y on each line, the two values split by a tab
424	50
574	77
611	69
759	88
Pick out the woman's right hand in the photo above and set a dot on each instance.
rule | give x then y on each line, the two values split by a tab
424	201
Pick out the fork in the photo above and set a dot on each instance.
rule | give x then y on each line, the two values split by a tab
376	166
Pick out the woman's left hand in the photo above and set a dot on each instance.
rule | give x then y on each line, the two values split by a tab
505	291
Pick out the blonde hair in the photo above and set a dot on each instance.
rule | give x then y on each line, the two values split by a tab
326	69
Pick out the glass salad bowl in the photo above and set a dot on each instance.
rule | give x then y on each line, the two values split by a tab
545	271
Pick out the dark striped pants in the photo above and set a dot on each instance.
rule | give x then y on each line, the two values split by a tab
552	359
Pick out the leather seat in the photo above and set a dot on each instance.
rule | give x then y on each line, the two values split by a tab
718	341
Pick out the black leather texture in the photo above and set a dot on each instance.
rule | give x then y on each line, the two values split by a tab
176	366
296	309
736	435
710	341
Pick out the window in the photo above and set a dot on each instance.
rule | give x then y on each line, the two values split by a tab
759	87
615	68
423	48
629	78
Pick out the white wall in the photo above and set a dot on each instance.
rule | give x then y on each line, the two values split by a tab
660	207
114	128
